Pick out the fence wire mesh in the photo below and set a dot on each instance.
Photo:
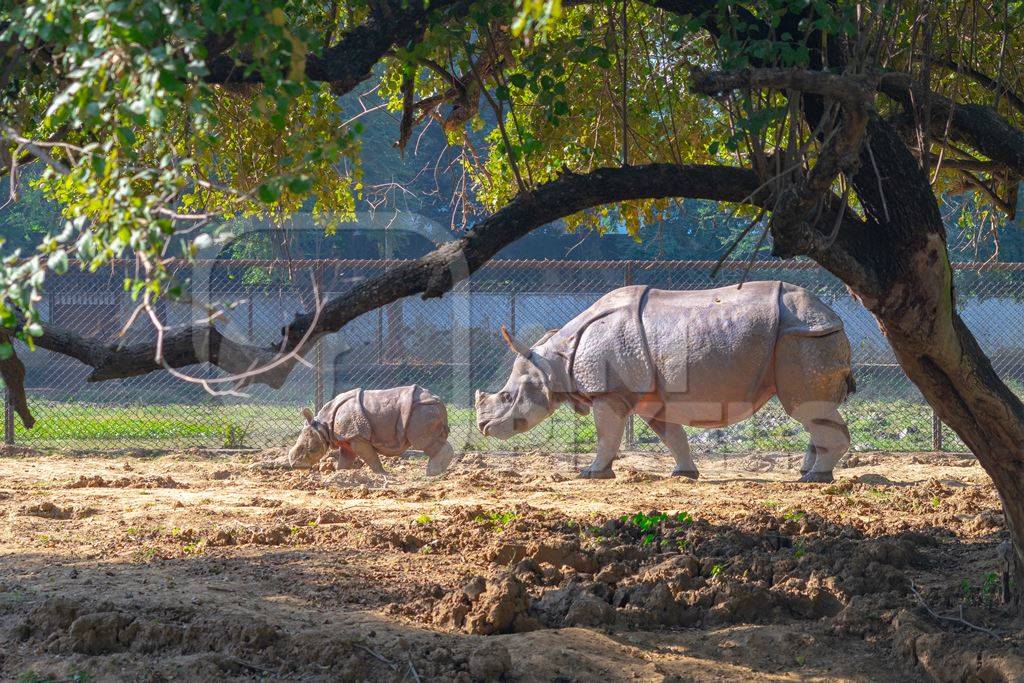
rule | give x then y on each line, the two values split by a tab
450	345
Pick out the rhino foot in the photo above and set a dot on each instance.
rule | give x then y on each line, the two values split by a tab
606	473
817	478
689	474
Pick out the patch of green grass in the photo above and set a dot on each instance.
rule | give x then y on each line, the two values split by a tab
876	423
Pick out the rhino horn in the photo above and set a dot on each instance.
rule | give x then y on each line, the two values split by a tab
516	346
308	415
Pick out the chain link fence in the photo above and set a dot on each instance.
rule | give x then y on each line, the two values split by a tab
450	345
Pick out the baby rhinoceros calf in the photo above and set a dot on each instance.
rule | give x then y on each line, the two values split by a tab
368	423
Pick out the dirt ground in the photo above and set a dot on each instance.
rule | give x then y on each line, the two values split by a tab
197	567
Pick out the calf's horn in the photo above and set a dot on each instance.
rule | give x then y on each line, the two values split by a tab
515	345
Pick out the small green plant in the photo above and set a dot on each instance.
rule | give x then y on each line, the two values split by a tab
422	520
770	503
799	550
234	436
794	515
936	501
194	548
983	593
425	550
716	570
496	520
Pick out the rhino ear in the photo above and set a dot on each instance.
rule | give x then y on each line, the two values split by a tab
308	415
514	345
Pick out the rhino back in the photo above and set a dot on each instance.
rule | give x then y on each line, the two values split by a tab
714	345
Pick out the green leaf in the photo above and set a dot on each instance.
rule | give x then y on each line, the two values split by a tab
300	184
58	262
268	193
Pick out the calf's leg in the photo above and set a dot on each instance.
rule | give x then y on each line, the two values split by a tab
438	458
610	420
674	438
368	454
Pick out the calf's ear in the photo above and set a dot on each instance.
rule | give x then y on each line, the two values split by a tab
308	415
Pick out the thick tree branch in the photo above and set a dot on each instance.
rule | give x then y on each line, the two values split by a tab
977	126
996	87
432	275
350	60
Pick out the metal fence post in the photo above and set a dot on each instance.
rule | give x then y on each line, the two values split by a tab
318	364
512	313
936	432
318	359
8	418
630	424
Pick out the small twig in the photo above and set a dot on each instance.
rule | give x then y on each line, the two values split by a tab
250	665
736	243
412	670
878	177
956	620
378	656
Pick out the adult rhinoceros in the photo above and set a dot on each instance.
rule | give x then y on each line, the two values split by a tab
703	358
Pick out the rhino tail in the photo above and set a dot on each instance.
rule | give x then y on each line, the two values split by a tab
851	383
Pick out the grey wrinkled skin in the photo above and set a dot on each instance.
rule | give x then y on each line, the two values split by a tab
704	358
365	424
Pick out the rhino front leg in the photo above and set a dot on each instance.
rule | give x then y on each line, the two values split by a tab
368	454
438	458
610	420
674	438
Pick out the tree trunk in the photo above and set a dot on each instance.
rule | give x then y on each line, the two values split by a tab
957	379
897	263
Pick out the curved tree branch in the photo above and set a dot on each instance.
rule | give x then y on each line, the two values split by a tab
432	275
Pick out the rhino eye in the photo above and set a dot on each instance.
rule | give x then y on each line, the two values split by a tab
505	396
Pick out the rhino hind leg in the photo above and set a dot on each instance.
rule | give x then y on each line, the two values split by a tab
674	438
808	461
811	380
610	421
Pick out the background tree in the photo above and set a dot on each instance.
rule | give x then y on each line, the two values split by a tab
843	123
